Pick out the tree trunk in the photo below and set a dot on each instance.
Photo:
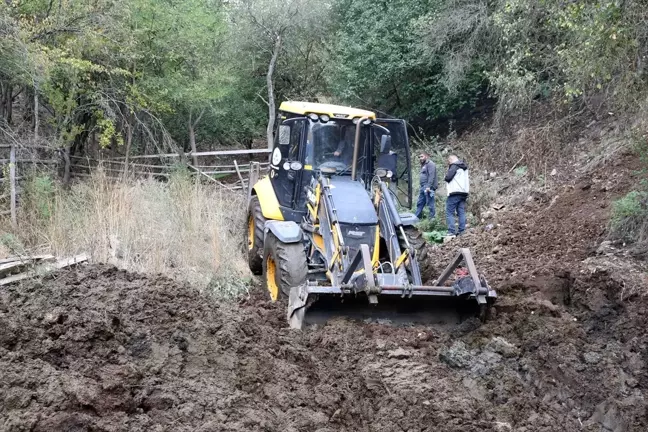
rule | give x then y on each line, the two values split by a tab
2	101
129	141
66	169
192	141
12	178
36	118
270	85
193	124
248	145
7	99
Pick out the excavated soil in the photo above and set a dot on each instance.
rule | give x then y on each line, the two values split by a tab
100	349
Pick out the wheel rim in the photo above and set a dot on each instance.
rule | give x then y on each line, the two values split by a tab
271	278
250	232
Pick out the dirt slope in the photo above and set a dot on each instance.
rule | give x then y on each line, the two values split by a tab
98	349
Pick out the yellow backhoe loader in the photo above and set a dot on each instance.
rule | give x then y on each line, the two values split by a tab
325	222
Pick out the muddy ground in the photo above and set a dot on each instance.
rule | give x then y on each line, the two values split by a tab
99	349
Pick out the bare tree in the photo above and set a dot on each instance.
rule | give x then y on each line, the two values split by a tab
269	25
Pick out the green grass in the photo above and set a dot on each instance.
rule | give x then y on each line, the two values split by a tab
629	218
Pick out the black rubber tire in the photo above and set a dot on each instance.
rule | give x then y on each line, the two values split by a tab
290	261
423	251
255	255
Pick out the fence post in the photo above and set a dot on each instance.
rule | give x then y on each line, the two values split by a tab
238	171
12	179
254	177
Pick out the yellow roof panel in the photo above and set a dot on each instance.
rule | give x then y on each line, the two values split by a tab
333	111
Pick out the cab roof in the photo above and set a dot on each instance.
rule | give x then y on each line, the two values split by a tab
333	111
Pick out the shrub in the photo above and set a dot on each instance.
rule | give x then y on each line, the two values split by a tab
629	219
39	196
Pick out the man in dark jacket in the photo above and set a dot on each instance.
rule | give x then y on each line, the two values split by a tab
344	149
428	185
458	186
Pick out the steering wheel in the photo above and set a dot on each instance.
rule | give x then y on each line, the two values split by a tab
327	155
338	166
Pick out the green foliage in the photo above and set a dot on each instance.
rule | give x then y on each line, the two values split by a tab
107	132
116	66
435	236
156	70
39	199
529	50
376	61
428	225
569	50
457	34
629	218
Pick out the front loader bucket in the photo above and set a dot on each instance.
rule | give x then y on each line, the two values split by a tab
385	300
394	310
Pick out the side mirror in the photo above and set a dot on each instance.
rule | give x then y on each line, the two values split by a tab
284	135
385	144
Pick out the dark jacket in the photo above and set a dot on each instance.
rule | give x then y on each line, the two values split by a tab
428	177
457	179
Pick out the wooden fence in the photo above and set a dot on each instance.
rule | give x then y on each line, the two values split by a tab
229	175
219	167
14	157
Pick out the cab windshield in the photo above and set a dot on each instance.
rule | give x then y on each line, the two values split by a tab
331	144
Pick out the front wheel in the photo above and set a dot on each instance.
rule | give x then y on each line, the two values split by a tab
255	224
284	266
423	251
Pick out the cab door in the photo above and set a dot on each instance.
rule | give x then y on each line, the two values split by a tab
402	185
286	150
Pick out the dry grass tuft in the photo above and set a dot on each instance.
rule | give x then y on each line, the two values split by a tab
183	229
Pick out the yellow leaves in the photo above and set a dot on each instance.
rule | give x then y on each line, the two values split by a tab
108	133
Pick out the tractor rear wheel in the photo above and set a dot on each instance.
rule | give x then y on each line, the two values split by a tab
254	226
284	266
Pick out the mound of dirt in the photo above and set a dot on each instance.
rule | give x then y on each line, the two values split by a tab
99	349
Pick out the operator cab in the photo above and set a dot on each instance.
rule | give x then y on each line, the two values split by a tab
314	138
330	145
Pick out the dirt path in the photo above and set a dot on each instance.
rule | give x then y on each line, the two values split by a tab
97	349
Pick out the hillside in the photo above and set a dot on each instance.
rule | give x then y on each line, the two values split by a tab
107	350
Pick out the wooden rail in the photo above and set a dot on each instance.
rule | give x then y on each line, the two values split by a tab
114	168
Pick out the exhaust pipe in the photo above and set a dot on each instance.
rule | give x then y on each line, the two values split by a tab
356	148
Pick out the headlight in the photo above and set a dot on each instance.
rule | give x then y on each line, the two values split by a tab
324	118
313	116
364	122
295	166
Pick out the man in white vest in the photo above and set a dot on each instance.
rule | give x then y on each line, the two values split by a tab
458	187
